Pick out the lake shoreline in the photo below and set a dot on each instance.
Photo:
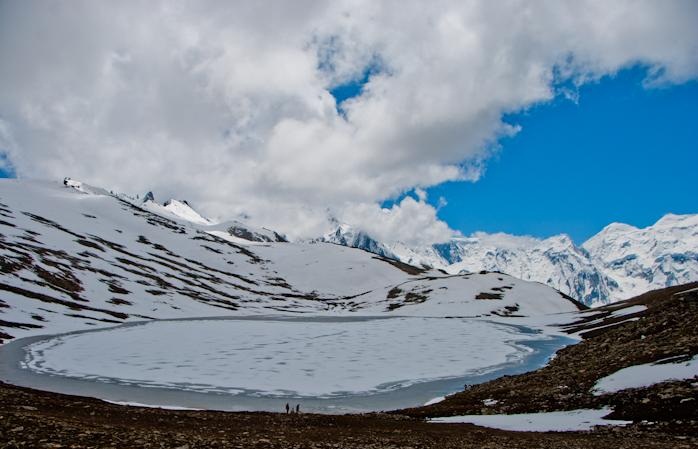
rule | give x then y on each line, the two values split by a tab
13	355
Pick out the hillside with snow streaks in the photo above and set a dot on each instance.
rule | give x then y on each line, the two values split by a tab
618	263
75	257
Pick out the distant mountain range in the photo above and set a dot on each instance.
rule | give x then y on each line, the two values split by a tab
619	262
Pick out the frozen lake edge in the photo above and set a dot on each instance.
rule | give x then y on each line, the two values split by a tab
537	347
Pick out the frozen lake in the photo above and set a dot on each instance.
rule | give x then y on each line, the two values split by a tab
325	364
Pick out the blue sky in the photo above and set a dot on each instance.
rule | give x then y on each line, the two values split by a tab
622	153
5	173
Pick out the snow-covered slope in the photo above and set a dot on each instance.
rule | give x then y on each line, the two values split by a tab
74	257
618	263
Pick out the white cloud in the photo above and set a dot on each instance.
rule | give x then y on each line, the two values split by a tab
227	103
410	221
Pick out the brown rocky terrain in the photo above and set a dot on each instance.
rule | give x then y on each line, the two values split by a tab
664	415
32	419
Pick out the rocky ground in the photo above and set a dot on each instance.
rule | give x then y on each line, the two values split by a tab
31	419
665	415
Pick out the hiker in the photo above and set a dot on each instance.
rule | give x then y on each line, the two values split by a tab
298	408
288	409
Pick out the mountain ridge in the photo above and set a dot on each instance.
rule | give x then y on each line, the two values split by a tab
619	262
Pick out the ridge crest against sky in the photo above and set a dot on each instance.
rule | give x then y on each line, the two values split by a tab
280	111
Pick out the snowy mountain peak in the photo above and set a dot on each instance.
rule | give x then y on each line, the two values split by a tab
179	210
347	235
677	221
560	240
660	255
183	210
618	227
619	262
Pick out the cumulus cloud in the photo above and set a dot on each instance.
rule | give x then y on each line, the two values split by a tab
228	104
411	220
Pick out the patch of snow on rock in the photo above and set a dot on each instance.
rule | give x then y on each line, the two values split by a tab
572	420
647	374
435	400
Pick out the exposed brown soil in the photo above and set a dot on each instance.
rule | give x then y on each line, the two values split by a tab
488	295
409	269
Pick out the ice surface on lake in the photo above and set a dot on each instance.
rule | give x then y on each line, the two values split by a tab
282	357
